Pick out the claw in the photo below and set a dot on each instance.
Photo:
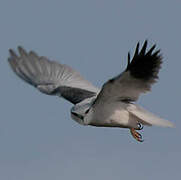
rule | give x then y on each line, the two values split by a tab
136	135
140	126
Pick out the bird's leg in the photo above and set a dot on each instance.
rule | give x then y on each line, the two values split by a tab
136	135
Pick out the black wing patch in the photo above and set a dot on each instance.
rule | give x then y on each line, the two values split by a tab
145	65
74	95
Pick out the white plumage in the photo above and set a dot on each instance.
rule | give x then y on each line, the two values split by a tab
111	106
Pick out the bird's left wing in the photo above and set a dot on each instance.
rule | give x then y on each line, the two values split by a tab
50	77
138	77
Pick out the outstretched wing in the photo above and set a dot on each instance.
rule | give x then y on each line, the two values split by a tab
138	77
51	77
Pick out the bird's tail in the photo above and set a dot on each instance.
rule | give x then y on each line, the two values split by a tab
148	118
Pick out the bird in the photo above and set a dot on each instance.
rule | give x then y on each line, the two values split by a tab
113	105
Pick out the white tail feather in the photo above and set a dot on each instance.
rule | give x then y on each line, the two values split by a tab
148	118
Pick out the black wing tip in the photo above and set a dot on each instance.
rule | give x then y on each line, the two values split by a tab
12	53
143	50
20	49
137	49
145	65
129	60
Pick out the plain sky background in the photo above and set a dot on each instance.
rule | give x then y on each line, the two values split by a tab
38	139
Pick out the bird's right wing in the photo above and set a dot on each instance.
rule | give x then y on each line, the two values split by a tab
51	77
138	77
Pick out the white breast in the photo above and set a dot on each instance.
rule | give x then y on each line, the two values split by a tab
108	115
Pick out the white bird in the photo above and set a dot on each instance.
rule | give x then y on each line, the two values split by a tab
113	105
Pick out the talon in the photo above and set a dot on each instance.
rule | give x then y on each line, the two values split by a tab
140	126
136	135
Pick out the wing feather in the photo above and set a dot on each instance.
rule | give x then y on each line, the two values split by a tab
138	77
51	77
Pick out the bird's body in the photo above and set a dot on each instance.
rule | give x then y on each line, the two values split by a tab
115	114
111	114
113	105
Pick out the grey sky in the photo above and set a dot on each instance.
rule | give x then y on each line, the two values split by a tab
38	139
